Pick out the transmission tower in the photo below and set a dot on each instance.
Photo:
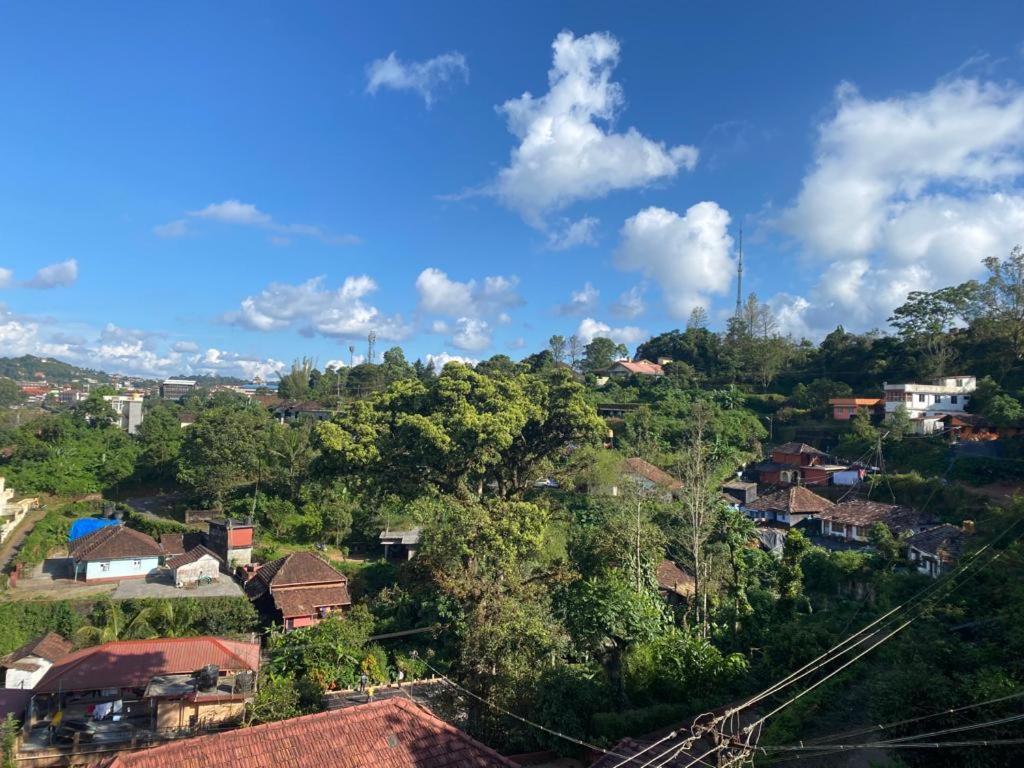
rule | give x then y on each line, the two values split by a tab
739	277
351	355
371	353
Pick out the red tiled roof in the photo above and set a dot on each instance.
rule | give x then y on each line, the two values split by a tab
645	469
863	512
796	500
172	543
113	543
190	557
50	646
793	448
392	733
298	568
672	578
133	663
303	601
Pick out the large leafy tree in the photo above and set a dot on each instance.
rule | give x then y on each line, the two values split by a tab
600	353
464	433
224	448
160	437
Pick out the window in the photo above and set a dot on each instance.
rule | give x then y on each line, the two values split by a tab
104	566
953	399
136	563
959	382
921	398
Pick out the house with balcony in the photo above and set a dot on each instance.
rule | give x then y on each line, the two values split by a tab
927	404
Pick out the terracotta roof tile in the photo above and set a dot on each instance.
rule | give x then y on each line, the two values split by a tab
304	601
638	466
298	568
672	578
643	367
112	543
50	646
393	733
172	543
795	500
133	663
863	512
945	542
791	448
191	556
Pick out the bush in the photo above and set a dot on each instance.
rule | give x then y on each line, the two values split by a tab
152	526
52	531
22	621
609	727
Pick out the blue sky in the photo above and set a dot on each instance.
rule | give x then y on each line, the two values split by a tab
228	186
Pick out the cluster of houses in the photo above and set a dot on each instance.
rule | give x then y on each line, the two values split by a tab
937	406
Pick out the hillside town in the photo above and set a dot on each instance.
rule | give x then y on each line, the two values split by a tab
487	385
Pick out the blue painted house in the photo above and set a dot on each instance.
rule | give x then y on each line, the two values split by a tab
114	553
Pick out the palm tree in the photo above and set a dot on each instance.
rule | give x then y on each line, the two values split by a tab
111	622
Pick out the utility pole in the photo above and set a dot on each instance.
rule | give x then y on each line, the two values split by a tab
739	276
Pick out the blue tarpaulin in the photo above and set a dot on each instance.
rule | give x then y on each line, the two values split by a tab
86	525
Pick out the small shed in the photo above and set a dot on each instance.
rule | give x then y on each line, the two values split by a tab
197	566
400	545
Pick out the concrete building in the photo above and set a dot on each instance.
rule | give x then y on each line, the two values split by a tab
231	540
128	408
24	667
176	389
927	404
12	512
193	568
114	553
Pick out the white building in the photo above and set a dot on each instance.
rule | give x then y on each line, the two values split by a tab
12	512
25	667
926	404
128	409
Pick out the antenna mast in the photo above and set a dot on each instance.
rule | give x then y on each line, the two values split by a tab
739	277
371	354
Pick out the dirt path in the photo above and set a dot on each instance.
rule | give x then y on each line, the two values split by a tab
9	547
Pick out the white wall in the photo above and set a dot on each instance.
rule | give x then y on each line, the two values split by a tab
17	678
120	569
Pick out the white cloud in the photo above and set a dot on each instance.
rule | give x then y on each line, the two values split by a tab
6	277
567	148
589	329
630	303
237	213
689	256
471	334
580	302
517	343
424	77
906	193
172	229
120	350
57	275
439	326
311	308
574	233
443	358
185	346
440	295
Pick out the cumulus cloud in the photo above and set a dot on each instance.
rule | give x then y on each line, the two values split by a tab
688	256
239	214
568	150
58	275
311	309
423	77
440	295
630	303
443	358
580	302
471	334
589	329
122	350
574	233
906	193
6	277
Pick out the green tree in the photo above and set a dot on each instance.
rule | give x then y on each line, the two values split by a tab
791	575
297	383
927	318
160	438
110	621
224	448
600	353
10	393
557	345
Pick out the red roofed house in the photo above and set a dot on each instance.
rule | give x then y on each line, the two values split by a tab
391	733
150	683
298	589
853	520
845	408
620	369
114	553
25	666
789	506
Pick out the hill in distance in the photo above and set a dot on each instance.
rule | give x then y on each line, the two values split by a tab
53	371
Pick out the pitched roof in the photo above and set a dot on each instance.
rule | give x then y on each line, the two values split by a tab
304	601
945	542
637	466
672	578
50	646
173	543
791	448
643	367
296	569
863	512
190	557
795	500
113	543
133	663
391	733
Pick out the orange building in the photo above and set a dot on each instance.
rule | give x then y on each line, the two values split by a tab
845	408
